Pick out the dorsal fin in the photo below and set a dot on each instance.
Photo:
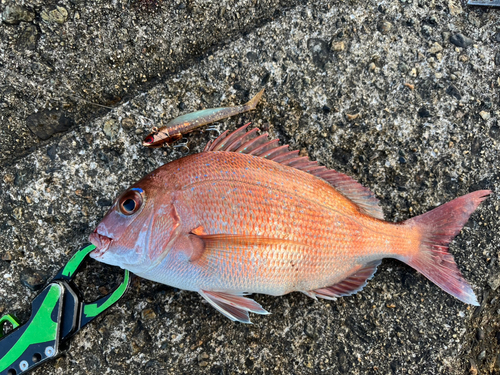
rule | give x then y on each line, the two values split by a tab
249	143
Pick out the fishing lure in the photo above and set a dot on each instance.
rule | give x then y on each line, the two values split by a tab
175	128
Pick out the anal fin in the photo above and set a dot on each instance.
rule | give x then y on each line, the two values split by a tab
350	285
234	306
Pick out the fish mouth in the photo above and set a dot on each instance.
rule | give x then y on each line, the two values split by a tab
101	242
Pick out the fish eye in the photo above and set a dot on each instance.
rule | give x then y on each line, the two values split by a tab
130	202
149	139
129	205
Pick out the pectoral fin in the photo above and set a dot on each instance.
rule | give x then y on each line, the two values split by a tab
193	245
199	231
234	306
220	241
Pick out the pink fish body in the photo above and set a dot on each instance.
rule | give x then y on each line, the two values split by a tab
246	216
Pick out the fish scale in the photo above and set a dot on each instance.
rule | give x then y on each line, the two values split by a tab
326	249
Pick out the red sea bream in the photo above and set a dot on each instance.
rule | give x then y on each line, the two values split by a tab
248	216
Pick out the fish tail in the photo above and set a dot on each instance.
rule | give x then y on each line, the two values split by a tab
252	103
437	229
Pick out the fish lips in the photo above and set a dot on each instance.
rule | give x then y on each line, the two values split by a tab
101	242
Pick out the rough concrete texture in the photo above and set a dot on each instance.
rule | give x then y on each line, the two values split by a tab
385	91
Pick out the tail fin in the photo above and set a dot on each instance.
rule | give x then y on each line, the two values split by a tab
438	227
252	103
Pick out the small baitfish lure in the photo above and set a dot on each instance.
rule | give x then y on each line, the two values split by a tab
175	128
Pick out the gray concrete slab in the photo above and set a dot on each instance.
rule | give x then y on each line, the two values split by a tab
374	90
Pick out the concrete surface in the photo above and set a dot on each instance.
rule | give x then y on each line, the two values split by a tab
385	91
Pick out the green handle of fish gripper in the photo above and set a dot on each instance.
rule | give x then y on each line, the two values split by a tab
8	319
40	329
93	309
75	261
